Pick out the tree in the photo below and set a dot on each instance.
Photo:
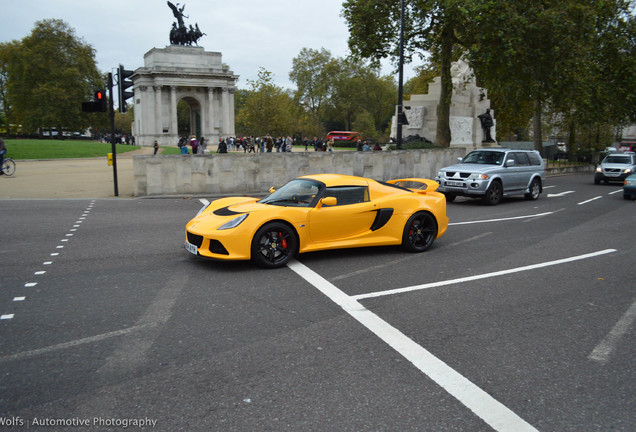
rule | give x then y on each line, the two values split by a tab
311	74
430	25
266	110
560	55
49	74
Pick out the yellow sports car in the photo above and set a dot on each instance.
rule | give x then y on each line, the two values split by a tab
318	212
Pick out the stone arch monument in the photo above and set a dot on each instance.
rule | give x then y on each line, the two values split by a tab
187	73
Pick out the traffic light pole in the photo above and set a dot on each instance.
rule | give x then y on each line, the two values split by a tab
111	111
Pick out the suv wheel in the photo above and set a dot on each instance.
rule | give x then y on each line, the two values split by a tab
535	190
493	194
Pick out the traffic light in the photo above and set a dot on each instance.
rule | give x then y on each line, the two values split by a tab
124	82
100	100
98	104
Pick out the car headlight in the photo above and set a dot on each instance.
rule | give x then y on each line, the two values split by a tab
233	223
627	171
477	176
440	174
598	170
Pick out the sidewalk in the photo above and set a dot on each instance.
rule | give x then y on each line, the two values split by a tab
70	178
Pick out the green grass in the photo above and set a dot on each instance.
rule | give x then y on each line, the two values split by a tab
60	149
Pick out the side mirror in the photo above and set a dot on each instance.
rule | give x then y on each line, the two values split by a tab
272	190
329	201
510	163
460	160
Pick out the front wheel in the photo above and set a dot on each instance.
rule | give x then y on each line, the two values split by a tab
419	232
273	245
494	193
8	167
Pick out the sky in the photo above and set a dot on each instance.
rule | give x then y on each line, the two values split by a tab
250	34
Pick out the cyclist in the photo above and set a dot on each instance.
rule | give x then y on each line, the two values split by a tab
3	151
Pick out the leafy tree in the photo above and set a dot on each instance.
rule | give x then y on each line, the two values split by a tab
311	74
266	110
561	55
49	74
430	25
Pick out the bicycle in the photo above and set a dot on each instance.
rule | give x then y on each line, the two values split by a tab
8	166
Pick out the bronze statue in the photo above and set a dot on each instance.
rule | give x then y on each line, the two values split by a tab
180	34
486	124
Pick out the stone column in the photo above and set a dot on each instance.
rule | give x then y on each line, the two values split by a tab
225	109
158	115
232	130
174	122
150	119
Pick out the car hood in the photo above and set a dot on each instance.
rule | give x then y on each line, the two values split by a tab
468	167
617	165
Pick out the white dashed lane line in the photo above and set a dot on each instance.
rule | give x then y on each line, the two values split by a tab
68	236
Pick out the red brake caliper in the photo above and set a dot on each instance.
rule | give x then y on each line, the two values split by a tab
283	242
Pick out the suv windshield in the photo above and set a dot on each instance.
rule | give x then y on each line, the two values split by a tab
618	159
484	157
296	193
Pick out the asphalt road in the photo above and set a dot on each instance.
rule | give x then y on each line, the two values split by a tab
520	318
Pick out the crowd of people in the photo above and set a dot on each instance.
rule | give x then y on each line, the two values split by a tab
265	144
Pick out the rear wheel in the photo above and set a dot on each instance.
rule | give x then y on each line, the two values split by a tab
535	190
494	193
274	245
419	232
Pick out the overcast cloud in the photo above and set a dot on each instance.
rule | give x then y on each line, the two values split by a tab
249	33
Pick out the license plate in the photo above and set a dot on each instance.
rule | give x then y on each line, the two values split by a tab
454	183
191	248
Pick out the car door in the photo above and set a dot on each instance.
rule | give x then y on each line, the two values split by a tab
353	214
515	172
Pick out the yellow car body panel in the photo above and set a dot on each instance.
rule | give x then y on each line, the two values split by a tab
366	213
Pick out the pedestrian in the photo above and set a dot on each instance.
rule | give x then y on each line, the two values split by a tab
359	144
289	143
203	145
330	144
377	147
194	143
222	146
365	147
156	145
3	151
269	143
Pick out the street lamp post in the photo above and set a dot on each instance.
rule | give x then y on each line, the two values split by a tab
400	112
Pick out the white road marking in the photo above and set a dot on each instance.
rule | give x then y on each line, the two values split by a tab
6	317
39	272
491	411
19	299
604	350
616	191
501	219
58	347
482	276
560	194
590	200
30	284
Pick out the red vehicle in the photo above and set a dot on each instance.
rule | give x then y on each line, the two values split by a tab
344	138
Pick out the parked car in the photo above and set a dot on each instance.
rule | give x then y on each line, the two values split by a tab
492	173
629	187
615	167
319	212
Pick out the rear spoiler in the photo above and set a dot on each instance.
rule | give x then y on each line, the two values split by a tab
418	185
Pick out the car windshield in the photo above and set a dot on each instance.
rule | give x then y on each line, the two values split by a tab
617	159
484	157
296	193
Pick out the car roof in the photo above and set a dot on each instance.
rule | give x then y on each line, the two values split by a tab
338	179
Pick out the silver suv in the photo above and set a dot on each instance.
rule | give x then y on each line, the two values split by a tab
491	174
615	167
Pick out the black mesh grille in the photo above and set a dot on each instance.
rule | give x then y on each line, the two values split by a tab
217	248
194	239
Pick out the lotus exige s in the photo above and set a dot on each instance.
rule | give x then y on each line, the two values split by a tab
318	212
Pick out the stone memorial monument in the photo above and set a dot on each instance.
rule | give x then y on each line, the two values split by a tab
469	105
182	72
